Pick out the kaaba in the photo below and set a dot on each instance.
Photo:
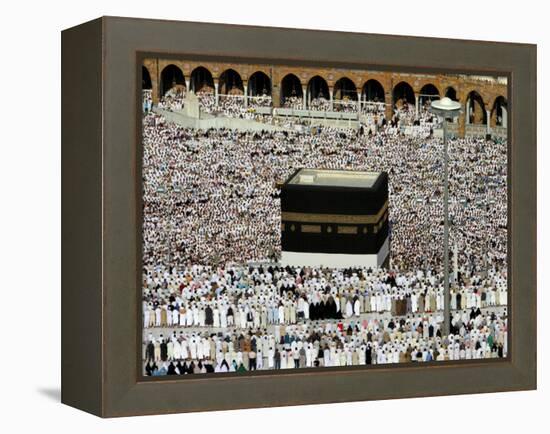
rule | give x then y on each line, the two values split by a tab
335	218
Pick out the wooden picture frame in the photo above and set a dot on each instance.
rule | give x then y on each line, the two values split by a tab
101	217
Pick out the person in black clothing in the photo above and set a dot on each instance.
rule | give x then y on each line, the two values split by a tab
478	312
277	359
171	369
368	354
330	310
163	351
252	361
322	310
208	316
150	368
150	352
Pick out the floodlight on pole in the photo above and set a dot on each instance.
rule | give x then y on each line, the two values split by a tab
446	108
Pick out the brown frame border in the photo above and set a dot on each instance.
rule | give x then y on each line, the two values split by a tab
101	217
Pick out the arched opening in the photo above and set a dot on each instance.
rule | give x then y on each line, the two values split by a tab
345	95
404	103
171	77
475	109
345	89
373	91
231	83
259	84
201	80
318	96
259	89
499	113
146	83
403	95
427	94
146	90
450	92
291	91
373	97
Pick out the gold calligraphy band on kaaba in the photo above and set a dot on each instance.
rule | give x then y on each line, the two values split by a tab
311	229
381	222
302	217
352	230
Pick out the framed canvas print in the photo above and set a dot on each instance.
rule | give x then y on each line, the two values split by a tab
257	216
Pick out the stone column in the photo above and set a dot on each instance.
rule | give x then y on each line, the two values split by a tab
153	68
388	100
187	85
155	91
246	95
276	96
417	104
504	116
216	92
331	92
461	125
304	98
488	120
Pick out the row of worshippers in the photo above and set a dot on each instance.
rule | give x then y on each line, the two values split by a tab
474	335
231	106
202	302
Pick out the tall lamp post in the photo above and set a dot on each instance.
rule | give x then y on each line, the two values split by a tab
446	108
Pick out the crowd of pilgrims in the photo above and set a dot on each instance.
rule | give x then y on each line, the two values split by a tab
258	297
234	105
211	207
405	118
210	196
474	335
320	103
